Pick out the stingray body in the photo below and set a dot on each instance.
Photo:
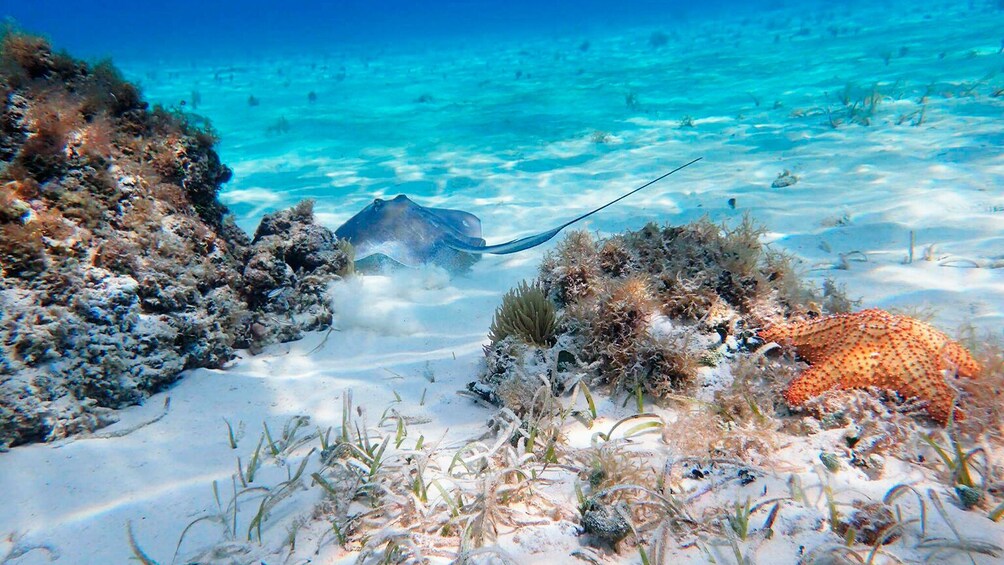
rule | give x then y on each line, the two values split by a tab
404	232
401	231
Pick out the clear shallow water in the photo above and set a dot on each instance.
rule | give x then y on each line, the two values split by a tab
192	28
525	114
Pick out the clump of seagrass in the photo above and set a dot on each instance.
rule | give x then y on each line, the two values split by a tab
647	305
616	329
527	314
574	271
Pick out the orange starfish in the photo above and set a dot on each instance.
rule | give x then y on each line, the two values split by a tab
875	348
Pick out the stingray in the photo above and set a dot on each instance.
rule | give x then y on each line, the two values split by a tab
406	233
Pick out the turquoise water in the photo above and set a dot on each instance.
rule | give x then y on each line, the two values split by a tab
527	115
888	113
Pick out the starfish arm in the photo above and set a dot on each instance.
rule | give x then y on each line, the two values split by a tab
914	371
815	340
959	360
814	381
940	405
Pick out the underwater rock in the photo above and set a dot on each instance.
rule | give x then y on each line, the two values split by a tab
969	497
784	180
873	523
266	274
292	262
607	522
313	247
119	267
642	312
515	371
830	461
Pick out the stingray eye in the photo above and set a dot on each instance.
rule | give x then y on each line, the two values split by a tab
377	203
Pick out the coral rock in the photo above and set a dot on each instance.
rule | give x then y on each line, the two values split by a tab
117	269
608	523
292	261
874	348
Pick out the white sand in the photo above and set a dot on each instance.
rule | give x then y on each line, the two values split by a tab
523	153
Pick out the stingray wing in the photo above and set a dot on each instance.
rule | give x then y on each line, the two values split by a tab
410	234
457	221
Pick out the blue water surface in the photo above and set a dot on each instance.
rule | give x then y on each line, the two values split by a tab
197	28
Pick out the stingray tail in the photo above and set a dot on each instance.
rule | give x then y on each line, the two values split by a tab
537	239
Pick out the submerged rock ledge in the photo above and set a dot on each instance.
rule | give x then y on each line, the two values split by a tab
119	267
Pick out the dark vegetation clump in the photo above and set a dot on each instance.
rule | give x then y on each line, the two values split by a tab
642	311
119	266
698	272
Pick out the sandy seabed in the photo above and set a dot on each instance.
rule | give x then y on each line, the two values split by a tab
890	120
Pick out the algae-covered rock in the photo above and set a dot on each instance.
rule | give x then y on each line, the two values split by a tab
607	523
514	373
650	307
119	267
292	262
873	523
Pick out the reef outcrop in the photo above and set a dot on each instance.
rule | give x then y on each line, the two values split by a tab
643	311
119	267
291	261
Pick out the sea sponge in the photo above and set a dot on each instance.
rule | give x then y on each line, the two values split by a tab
527	314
